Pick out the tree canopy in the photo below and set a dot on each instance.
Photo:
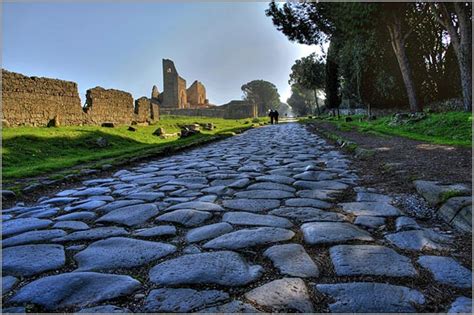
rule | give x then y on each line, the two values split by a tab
385	54
262	93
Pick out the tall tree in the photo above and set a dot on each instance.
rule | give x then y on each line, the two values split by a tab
396	22
314	22
456	19
309	73
262	93
333	99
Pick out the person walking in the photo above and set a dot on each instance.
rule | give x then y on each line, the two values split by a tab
271	114
275	115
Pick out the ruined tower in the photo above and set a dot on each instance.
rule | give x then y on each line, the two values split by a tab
174	87
197	95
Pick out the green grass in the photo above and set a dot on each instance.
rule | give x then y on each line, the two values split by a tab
30	151
451	128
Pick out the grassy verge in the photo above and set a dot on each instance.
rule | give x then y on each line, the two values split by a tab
30	151
452	128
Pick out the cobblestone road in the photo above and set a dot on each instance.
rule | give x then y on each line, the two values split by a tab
254	223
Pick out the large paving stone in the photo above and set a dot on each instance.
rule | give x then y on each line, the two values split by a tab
146	196
461	305
406	223
252	205
448	271
181	300
104	309
315	175
276	178
58	201
332	232
292	260
88	205
240	183
369	221
208	231
42	236
370	297
75	289
118	204
160	230
373	260
324	185
307	214
434	192
93	191
271	186
197	205
246	218
120	252
264	194
8	282
287	294
93	234
451	208
29	260
16	226
44	213
250	237
80	215
222	267
131	215
322	194
71	225
376	209
307	202
186	217
231	307
463	219
420	240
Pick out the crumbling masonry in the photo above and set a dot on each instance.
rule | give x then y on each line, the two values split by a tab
34	101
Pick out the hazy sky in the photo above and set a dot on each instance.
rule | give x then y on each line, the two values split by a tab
121	45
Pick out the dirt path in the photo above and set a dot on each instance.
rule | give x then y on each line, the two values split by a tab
398	161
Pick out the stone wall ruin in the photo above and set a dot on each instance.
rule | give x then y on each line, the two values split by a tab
177	100
33	101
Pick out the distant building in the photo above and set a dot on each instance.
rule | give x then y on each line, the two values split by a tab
175	94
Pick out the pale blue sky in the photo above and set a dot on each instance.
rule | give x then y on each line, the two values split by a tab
120	45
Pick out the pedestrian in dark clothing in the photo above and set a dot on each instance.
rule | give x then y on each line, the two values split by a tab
275	115
271	114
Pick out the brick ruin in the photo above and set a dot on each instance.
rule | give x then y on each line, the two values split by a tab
177	100
33	101
175	94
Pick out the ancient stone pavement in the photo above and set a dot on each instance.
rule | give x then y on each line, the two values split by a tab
264	221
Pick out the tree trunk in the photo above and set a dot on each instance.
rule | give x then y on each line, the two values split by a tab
462	44
316	100
398	45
